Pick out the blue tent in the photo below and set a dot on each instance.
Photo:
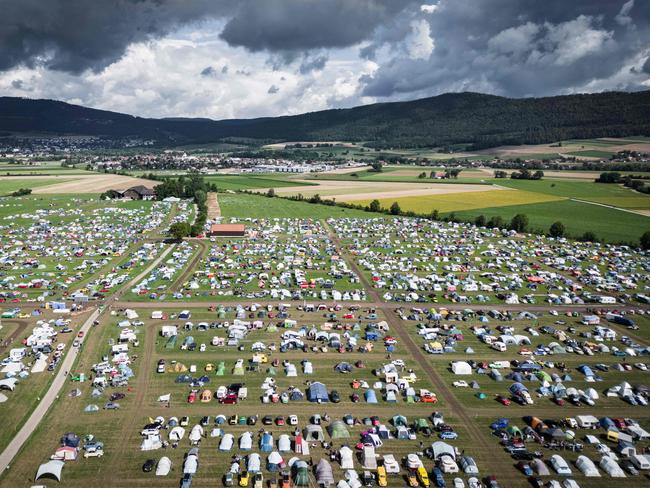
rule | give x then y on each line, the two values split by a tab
317	392
517	387
370	396
586	370
266	443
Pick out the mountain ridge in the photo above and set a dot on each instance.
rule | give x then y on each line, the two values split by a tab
478	120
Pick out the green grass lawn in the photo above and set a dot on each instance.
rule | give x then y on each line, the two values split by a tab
608	224
254	206
11	184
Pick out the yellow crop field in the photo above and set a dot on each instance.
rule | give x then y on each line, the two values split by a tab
452	202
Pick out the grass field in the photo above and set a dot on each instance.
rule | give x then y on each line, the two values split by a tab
245	182
11	184
254	206
608	224
464	201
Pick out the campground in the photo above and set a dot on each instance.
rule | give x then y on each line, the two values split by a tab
374	309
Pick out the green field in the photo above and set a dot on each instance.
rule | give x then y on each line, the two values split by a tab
245	182
608	224
254	206
11	184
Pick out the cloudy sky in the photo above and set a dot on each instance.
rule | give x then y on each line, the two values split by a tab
251	58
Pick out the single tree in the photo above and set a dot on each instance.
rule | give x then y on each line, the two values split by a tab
179	230
270	193
395	209
557	229
519	223
375	206
645	240
480	221
589	237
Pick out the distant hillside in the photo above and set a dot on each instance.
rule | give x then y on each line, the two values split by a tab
453	118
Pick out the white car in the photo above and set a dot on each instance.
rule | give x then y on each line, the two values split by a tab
94	453
458	483
460	384
473	482
293	420
570	484
202	348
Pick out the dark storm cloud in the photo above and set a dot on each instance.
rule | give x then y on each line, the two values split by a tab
518	48
312	64
646	66
208	71
73	35
298	25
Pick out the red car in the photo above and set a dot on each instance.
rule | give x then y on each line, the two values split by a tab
279	420
503	400
230	399
619	423
80	334
559	402
191	398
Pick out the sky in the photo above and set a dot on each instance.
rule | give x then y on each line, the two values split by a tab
255	58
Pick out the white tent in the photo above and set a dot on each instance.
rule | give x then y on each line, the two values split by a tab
151	443
587	466
226	442
51	469
196	433
369	458
253	463
164	466
308	367
611	467
284	443
176	434
246	441
461	367
191	464
347	459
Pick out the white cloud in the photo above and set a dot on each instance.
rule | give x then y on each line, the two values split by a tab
623	17
575	39
419	43
428	9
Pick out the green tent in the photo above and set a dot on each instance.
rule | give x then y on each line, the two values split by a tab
338	430
514	431
271	371
171	342
421	423
544	376
221	369
400	420
302	474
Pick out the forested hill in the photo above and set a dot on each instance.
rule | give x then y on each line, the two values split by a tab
453	118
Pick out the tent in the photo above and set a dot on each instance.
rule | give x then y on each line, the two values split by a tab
324	475
253	463
164	466
343	368
238	370
191	464
284	443
313	433
51	469
65	453
296	395
301	476
338	430
461	368
221	369
176	434
440	448
274	461
368	457
226	443
91	408
70	439
611	467
370	396
399	420
317	392
587	466
206	396
540	467
246	441
266	442
196	434
347	459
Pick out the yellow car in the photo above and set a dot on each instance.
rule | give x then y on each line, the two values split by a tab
381	476
243	478
209	367
423	477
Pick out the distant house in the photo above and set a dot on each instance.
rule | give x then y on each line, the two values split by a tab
139	192
227	230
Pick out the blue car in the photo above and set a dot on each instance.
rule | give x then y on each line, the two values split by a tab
449	435
438	478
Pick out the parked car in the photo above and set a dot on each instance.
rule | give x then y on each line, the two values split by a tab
148	465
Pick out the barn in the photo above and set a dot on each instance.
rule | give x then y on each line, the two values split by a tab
227	230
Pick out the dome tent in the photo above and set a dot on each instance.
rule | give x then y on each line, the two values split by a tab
338	430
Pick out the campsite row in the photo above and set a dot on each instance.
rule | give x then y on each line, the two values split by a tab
423	261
